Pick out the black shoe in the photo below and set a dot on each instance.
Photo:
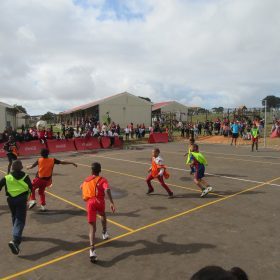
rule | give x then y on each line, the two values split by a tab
149	191
191	172
170	195
14	247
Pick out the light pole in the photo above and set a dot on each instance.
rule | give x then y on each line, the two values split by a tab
264	133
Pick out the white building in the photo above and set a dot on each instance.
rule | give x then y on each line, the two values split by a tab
179	109
123	109
7	116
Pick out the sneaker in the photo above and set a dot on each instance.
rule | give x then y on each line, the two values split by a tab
170	195
31	204
209	189
43	208
149	191
105	235
14	247
203	193
92	255
206	191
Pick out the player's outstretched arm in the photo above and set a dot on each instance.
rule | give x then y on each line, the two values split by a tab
32	166
68	162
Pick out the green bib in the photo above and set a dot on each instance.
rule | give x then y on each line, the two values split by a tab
255	132
16	187
200	158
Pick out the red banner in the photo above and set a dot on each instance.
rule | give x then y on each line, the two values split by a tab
30	148
105	142
118	142
158	137
83	144
57	146
2	152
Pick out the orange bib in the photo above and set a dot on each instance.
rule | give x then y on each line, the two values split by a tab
89	187
45	167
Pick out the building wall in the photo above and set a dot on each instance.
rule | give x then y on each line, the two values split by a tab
11	118
125	109
180	110
2	118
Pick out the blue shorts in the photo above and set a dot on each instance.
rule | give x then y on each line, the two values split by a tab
199	172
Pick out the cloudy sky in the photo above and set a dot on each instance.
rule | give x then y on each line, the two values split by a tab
57	54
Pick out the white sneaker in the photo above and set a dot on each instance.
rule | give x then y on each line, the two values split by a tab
43	208
31	204
105	235
92	255
209	189
203	193
206	191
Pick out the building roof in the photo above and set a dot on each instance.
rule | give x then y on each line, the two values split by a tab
6	105
159	105
98	102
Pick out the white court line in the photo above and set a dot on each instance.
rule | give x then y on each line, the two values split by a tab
180	169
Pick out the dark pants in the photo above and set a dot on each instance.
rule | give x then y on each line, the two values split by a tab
18	209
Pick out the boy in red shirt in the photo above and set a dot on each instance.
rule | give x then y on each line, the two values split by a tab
158	170
93	190
43	177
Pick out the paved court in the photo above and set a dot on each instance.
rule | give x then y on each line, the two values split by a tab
153	237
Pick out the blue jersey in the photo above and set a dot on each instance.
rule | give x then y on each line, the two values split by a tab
235	128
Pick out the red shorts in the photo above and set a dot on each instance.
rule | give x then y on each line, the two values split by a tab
41	183
94	207
254	140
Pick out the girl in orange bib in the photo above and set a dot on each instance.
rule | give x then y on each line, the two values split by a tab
158	170
43	177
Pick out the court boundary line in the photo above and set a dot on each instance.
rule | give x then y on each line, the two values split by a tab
136	230
143	178
184	170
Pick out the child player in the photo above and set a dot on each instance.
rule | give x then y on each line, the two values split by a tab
158	170
11	150
192	141
43	177
255	136
198	161
93	190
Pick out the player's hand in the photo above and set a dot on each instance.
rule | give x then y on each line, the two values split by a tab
28	167
113	208
76	165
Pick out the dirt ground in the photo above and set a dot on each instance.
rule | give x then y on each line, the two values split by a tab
152	237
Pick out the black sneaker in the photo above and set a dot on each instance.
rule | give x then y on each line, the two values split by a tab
170	195
14	247
149	191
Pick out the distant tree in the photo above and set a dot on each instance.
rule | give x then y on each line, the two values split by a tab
218	110
20	108
145	98
202	111
272	101
49	116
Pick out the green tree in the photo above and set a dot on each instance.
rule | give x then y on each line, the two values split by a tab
145	98
49	116
272	101
20	108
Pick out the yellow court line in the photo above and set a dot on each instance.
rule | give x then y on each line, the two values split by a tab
137	230
78	206
142	178
82	208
